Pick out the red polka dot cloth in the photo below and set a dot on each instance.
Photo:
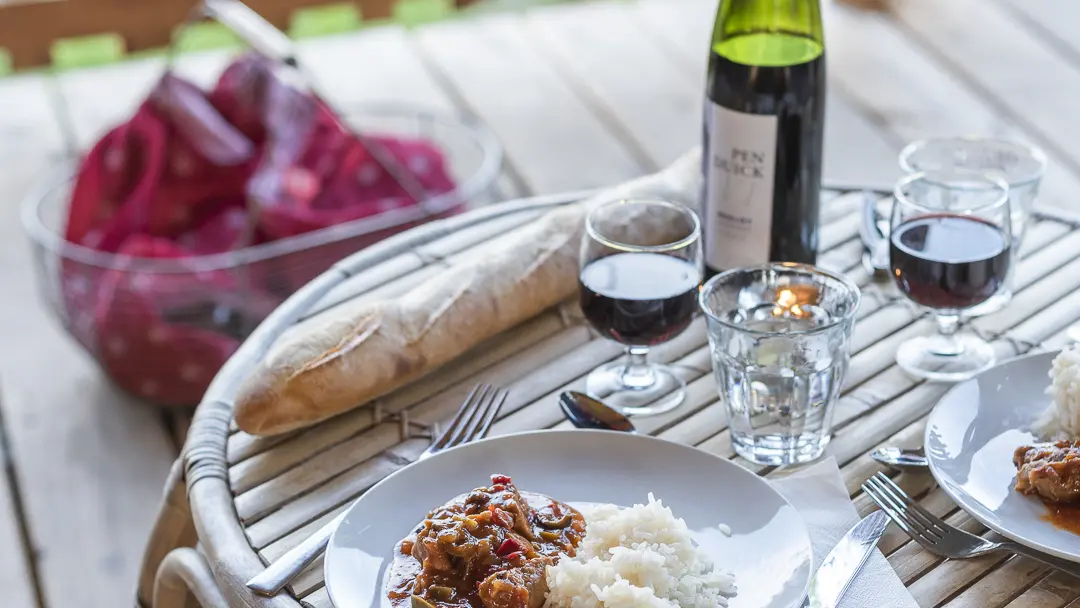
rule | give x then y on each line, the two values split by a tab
197	173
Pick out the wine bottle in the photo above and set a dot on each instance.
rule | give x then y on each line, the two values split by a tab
764	124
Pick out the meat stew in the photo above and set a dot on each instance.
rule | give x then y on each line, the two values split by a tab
1051	471
489	548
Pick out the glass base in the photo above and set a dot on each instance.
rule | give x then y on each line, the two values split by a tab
932	358
656	392
994	304
779	450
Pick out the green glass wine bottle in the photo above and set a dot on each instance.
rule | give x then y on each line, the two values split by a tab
764	125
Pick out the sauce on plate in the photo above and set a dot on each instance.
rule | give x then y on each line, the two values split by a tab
1064	517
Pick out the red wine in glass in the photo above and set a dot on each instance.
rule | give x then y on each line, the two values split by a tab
639	299
949	262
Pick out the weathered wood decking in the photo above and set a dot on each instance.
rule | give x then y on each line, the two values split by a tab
581	95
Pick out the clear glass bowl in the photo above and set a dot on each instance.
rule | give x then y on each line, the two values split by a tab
162	327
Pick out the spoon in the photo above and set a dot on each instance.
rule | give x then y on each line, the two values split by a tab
586	412
900	458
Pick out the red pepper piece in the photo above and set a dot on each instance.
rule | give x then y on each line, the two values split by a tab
514	555
500	479
509	547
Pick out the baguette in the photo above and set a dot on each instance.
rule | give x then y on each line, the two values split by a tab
354	356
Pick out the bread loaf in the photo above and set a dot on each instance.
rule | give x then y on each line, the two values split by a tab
353	356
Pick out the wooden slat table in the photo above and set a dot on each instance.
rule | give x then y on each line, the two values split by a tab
273	492
617	79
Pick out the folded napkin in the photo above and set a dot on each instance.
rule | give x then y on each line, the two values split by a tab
818	493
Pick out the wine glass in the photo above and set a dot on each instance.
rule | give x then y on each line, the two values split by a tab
1021	165
641	267
950	248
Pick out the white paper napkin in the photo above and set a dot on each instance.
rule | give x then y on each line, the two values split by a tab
819	495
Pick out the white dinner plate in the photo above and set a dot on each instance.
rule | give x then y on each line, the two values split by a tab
768	550
970	439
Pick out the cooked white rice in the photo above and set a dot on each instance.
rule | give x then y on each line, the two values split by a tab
1062	419
639	557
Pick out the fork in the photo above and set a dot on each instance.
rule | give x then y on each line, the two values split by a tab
472	421
941	538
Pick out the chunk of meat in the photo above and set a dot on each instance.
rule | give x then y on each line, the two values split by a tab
487	548
462	545
1049	470
523	586
504	495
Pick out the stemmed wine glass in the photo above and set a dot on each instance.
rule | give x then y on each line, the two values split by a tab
1022	166
641	267
950	248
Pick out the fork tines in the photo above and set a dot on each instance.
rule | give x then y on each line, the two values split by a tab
474	418
921	525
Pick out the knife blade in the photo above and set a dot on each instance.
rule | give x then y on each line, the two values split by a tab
876	244
835	574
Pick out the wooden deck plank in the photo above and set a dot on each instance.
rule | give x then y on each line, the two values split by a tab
101	98
1005	63
399	78
914	97
552	138
15	569
90	461
28	125
91	502
603	51
1057	23
884	112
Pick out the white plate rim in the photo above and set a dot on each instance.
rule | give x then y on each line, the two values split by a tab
971	506
635	436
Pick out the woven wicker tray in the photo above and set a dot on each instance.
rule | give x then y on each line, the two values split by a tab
247	500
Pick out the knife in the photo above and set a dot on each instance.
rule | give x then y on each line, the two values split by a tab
845	560
876	256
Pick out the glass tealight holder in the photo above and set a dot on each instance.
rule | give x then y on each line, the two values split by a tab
779	338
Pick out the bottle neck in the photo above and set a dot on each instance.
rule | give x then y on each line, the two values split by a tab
782	19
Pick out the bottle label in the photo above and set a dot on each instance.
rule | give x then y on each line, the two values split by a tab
739	172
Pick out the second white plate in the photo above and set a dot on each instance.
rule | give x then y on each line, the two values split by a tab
970	439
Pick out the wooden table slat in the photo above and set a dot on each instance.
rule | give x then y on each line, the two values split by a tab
1054	591
1001	585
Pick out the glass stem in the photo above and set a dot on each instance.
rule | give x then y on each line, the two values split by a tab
947	344
637	374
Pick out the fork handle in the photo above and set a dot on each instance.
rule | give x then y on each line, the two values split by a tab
1065	565
292	562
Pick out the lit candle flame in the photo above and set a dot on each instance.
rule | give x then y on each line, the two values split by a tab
787	305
